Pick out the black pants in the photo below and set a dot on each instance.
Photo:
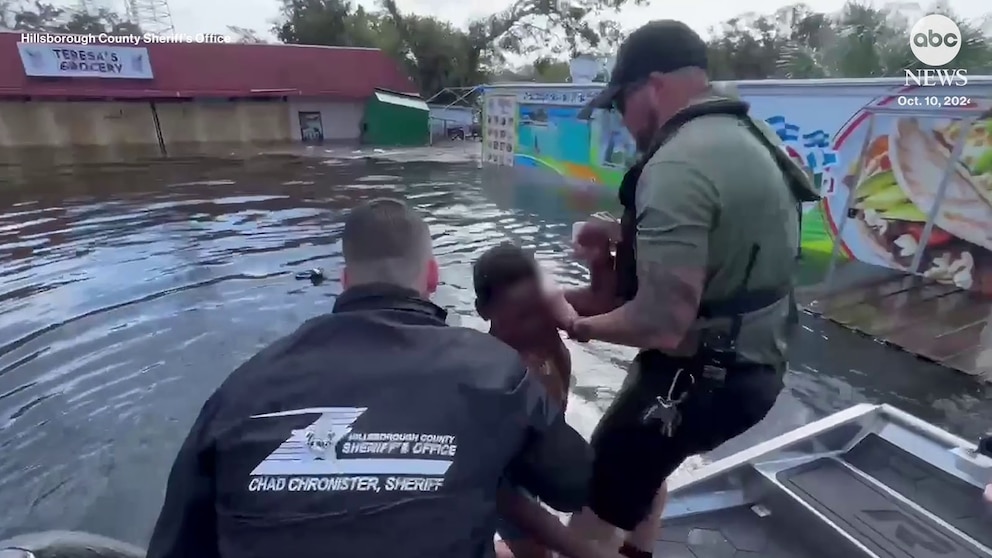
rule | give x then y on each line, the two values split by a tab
633	459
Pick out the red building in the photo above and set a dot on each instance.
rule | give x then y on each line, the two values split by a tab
103	94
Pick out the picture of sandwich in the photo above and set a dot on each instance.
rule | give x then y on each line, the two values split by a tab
898	186
976	157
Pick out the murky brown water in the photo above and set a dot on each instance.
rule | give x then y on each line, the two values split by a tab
128	293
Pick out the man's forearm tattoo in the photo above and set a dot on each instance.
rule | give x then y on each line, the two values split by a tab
667	301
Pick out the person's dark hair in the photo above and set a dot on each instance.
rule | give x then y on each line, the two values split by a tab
385	241
499	268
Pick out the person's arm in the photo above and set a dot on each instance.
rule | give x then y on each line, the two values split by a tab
187	524
561	363
544	527
555	461
677	206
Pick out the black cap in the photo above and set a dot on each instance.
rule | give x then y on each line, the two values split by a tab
663	46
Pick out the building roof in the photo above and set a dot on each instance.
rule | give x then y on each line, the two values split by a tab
223	70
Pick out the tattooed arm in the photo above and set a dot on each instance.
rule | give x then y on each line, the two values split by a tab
677	207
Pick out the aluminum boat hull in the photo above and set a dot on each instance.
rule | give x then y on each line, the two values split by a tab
870	481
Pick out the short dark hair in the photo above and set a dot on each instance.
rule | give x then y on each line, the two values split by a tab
499	268
384	240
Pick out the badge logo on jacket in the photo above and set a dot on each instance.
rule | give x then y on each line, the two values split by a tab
322	436
328	455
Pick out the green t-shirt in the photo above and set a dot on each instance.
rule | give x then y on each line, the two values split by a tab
709	194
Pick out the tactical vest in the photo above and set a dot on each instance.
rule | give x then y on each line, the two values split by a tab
744	301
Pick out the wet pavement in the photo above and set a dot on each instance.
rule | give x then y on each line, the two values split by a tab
129	292
932	319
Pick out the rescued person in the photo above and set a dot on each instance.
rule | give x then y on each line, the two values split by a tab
375	430
509	295
703	275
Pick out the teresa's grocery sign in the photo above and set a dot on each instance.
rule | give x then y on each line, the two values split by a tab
43	60
878	156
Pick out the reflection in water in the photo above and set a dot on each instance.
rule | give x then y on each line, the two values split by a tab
129	293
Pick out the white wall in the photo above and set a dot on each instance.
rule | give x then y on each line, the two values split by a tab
341	120
443	117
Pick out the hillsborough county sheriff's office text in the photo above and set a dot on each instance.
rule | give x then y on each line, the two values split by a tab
126	40
936	41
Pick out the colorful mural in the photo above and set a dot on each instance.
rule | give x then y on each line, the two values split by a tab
878	163
813	149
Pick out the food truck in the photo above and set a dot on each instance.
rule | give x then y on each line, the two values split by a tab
905	171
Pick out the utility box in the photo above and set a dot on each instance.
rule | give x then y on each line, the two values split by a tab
393	118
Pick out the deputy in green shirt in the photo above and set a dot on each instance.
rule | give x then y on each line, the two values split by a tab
703	279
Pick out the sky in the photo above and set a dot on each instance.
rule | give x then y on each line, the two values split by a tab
213	16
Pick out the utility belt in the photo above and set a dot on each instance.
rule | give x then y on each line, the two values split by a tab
674	380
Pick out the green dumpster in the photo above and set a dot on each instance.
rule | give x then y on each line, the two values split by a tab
393	118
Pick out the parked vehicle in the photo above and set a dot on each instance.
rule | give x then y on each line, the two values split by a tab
461	132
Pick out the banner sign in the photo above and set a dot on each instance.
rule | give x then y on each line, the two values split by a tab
558	97
44	60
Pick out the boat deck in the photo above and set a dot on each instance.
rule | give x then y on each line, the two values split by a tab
882	497
734	533
934	321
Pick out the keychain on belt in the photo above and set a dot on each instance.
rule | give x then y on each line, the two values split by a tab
665	409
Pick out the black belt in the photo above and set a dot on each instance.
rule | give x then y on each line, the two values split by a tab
750	301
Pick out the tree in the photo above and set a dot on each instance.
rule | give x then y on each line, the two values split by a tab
326	22
543	70
439	55
436	54
863	41
432	51
42	17
245	35
746	47
859	41
546	25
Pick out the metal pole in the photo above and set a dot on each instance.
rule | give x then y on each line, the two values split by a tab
941	192
454	91
470	91
434	96
850	201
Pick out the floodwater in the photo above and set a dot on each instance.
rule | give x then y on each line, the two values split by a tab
129	292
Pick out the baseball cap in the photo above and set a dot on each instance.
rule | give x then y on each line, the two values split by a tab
663	46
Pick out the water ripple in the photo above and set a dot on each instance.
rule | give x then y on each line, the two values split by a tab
129	293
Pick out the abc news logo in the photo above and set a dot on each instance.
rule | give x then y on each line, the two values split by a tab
935	41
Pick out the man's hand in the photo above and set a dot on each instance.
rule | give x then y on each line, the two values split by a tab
580	330
988	494
566	318
594	239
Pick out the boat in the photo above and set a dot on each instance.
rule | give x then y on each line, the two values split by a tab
870	481
67	544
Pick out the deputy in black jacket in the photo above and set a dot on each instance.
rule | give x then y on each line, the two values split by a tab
374	431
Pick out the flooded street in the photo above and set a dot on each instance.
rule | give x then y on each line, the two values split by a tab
128	293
